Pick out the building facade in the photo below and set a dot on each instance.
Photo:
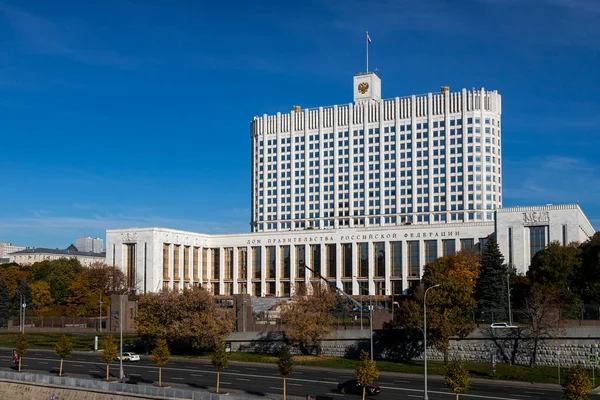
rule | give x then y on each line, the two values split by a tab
89	244
422	159
380	260
7	248
30	256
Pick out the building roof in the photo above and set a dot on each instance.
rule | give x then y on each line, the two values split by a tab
69	251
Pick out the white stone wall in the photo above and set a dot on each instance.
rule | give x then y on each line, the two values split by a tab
30	258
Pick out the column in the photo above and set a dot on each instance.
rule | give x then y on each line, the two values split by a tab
371	270
388	268
235	270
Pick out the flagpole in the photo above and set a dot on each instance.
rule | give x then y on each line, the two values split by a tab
367	40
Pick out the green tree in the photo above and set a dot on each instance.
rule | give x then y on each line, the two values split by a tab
491	291
557	266
578	384
63	349
220	359
191	317
160	357
21	347
60	274
366	371
5	304
285	365
308	319
109	353
457	377
588	281
450	306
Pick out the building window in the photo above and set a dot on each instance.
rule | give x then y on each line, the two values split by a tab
537	239
430	251
448	247
284	261
176	266
510	246
256	266
130	265
205	276
564	235
186	263
331	260
216	266
166	248
195	263
228	263
271	263
413	258
347	260
482	243
315	257
363	260
467	244
396	257
379	257
242	265
300	261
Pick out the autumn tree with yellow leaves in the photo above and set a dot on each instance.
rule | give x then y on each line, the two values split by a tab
449	306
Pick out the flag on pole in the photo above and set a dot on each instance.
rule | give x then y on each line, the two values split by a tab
368	37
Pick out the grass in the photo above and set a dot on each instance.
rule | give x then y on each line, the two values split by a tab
523	373
81	342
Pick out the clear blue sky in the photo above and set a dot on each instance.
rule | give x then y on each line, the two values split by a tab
121	113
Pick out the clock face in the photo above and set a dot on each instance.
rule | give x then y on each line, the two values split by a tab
363	87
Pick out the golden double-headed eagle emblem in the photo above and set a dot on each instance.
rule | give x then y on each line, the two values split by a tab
363	87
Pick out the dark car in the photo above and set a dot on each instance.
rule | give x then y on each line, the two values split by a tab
354	387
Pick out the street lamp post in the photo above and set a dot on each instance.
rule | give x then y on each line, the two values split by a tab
510	322
121	373
425	397
100	311
23	329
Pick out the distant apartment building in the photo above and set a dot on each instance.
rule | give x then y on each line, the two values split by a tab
7	248
88	244
33	255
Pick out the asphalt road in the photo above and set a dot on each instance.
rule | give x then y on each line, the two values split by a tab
263	381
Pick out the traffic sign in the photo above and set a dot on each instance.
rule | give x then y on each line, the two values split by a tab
593	358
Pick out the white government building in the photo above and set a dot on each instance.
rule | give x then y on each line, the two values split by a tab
365	193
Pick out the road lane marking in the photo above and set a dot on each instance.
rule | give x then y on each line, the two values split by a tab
243	379
534	392
149	367
275	388
521	395
225	383
43	362
177	378
294	384
78	365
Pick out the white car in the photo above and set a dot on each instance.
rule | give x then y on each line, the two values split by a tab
129	357
504	325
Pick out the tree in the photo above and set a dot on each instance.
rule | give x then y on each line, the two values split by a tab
542	311
457	377
491	293
23	295
160	357
21	347
557	266
308	319
578	385
60	274
41	298
191	317
63	349
588	282
220	360
366	371
109	353
449	306
285	365
5	304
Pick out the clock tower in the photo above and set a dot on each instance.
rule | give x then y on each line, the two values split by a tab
367	86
